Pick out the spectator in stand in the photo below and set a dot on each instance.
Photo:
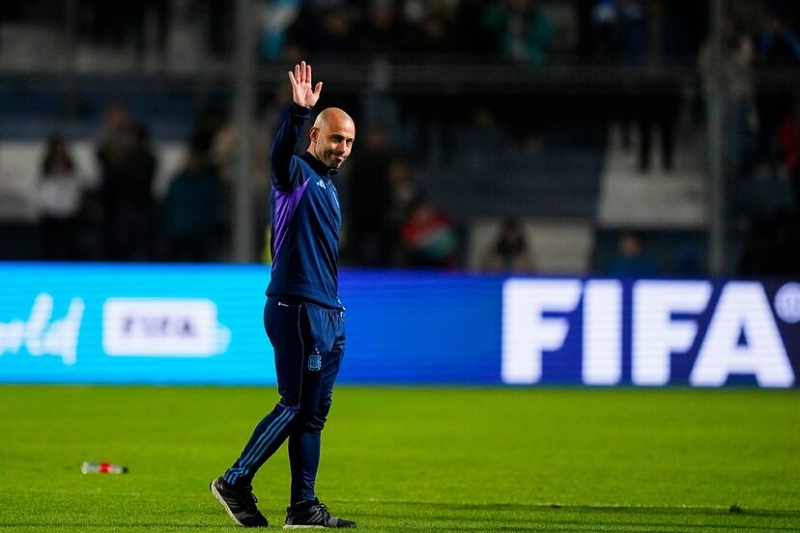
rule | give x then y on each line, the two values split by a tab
224	157
429	31
339	36
430	27
383	30
620	30
114	140
778	45
789	144
428	237
656	106
213	139
632	259
738	81
135	231
510	251
778	42
524	30
370	206
191	213
303	33
276	16
524	34
619	34
209	120
129	168
404	190
60	193
323	27
115	129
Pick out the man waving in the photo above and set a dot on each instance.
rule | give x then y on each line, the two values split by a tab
303	316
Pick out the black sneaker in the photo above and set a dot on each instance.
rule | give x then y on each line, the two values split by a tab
313	514
239	504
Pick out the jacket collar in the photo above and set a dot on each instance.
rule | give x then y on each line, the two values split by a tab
318	166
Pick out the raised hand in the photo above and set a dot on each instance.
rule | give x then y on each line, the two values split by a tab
302	92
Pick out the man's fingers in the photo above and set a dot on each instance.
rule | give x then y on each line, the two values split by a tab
302	75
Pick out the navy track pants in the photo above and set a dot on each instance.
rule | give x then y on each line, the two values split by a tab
308	341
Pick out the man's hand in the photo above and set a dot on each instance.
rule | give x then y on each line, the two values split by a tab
302	93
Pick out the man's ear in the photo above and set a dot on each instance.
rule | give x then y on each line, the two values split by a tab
313	134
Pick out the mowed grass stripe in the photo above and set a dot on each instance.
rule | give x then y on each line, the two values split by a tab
413	459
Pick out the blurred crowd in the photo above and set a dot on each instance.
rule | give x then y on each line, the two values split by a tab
518	30
392	220
535	32
119	217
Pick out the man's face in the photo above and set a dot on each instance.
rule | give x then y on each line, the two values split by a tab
333	141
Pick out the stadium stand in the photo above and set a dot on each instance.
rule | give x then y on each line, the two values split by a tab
567	175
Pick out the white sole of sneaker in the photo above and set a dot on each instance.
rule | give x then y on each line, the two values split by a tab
221	500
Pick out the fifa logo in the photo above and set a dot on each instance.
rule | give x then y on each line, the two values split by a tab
644	330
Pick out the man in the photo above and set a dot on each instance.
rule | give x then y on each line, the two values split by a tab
303	316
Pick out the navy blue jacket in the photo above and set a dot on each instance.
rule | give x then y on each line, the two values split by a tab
305	218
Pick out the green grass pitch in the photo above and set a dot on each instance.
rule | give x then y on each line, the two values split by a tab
412	459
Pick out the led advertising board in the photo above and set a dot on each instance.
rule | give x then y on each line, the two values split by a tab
202	324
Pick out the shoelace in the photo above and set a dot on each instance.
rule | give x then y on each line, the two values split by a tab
250	503
323	509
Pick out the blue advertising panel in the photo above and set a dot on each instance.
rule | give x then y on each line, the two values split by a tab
202	324
650	332
100	323
419	327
